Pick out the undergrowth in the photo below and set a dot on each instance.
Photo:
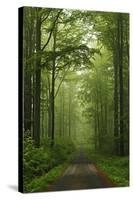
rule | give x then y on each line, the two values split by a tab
116	167
42	165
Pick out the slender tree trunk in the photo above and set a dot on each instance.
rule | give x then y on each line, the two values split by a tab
42	105
46	123
63	111
127	99
48	96
116	128
27	82
53	92
99	131
36	134
101	113
49	120
121	84
106	116
60	115
70	111
95	129
98	122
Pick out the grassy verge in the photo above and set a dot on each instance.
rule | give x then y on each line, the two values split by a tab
40	184
42	165
116	167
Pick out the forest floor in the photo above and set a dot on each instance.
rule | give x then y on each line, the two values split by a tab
81	174
116	167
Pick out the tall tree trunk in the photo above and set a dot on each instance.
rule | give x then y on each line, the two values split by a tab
36	133
98	121
60	114
46	123
106	116
101	114
63	111
48	97
53	91
49	118
127	84
95	128
42	114
69	111
27	81
116	128
121	83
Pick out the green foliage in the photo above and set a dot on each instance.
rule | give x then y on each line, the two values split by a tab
41	183
116	167
62	149
39	161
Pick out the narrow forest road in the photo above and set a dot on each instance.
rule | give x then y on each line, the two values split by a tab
81	174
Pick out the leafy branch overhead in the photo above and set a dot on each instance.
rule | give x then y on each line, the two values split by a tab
80	54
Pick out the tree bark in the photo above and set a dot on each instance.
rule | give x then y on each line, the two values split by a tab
116	128
27	80
69	111
121	83
36	132
53	91
63	111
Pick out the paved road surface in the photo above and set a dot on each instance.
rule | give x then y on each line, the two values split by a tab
81	174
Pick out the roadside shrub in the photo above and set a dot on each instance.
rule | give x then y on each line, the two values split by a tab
39	161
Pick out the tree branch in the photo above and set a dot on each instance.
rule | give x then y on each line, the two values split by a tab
46	16
61	80
67	50
50	34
